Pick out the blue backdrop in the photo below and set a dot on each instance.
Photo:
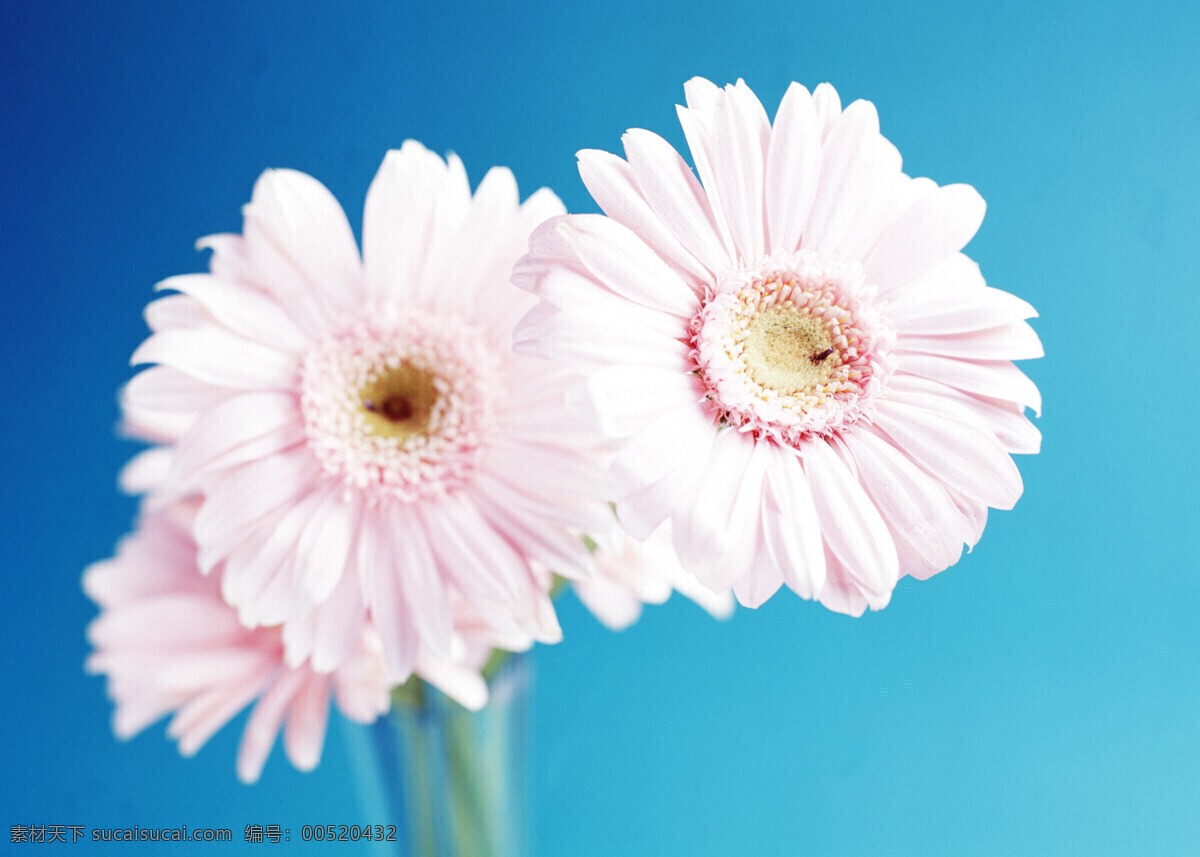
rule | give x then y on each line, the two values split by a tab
1042	697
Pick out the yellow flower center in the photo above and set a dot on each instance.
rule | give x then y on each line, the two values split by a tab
789	351
399	402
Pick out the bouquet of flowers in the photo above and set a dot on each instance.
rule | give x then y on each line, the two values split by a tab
371	471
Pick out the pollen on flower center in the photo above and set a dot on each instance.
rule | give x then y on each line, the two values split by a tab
400	406
791	351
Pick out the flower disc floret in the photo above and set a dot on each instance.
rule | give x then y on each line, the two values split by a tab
401	408
793	351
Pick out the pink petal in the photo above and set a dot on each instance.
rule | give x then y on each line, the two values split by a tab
146	471
792	170
294	220
843	594
203	716
414	207
953	298
230	259
709	533
587	519
919	513
626	399
216	356
625	265
1016	341
476	558
323	551
557	548
243	496
934	228
611	183
828	106
265	562
738	158
673	192
245	311
995	379
407	587
593	334
242	428
789	522
757	587
465	686
264	723
680	437
338	622
176	311
850	162
1004	419
851	525
954	447
304	735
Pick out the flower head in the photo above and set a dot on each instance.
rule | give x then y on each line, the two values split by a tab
169	644
367	446
804	374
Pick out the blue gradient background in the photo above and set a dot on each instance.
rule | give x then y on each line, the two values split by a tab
1042	697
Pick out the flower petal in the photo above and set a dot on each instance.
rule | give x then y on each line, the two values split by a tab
790	524
849	163
1016	341
301	244
239	429
398	571
243	310
408	204
932	229
713	535
216	356
264	723
676	196
953	446
996	379
612	184
792	170
919	513
851	525
624	264
304	735
739	141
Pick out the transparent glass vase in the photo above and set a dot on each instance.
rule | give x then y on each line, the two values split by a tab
451	782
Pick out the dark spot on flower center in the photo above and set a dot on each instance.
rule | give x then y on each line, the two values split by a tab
399	403
397	408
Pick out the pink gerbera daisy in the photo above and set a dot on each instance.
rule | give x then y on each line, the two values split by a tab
169	644
806	377
359	428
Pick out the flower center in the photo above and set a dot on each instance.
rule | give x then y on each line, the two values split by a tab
400	402
791	352
788	350
400	406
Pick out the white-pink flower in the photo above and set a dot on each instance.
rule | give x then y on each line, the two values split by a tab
632	573
365	441
805	375
169	644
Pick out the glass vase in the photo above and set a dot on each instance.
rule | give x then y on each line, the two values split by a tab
450	782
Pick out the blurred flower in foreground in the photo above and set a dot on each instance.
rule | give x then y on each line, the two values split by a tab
169	644
365	441
635	573
807	379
